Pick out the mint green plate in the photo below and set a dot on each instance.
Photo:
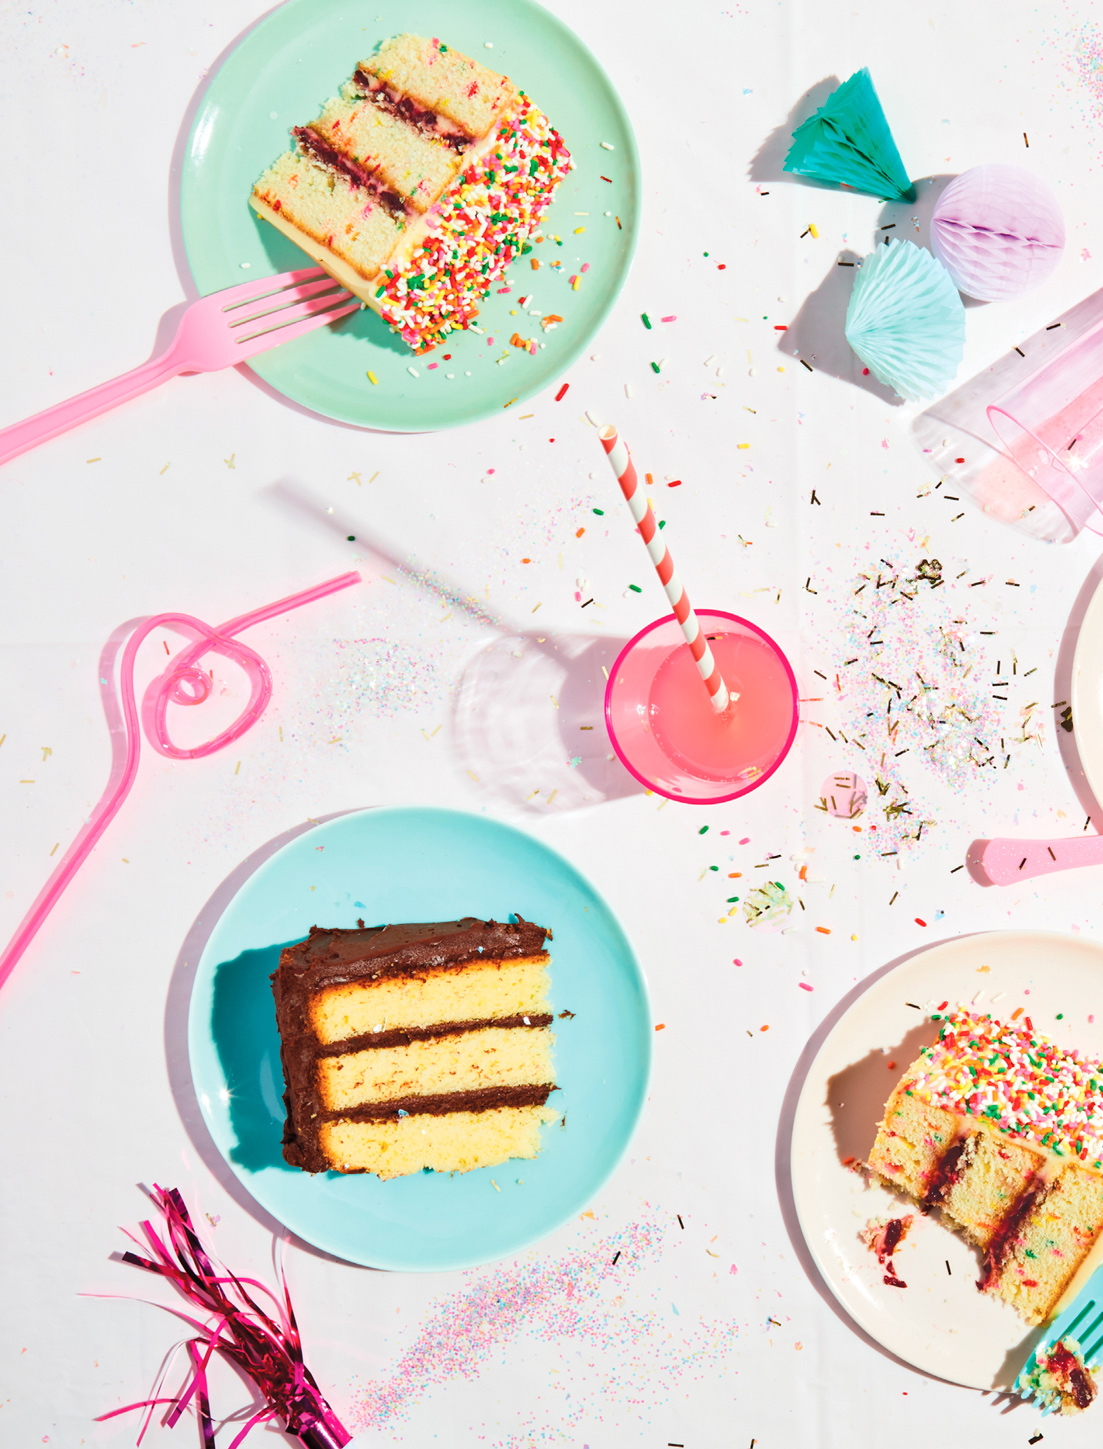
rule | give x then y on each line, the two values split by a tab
279	77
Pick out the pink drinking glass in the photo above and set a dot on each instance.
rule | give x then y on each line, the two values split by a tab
664	729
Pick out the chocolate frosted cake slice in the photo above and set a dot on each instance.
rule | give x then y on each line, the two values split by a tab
414	1046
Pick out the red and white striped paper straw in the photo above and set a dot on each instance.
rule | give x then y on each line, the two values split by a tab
621	463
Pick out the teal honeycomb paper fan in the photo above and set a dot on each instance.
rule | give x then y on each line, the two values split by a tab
848	143
906	320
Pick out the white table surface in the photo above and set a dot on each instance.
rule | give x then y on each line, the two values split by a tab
686	1347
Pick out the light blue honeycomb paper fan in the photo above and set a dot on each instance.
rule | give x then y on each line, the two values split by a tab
848	142
906	320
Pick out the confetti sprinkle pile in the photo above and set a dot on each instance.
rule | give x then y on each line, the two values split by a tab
1086	64
919	693
583	1296
383	678
1020	1081
480	226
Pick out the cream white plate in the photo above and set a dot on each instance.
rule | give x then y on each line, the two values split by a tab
939	1322
1087	694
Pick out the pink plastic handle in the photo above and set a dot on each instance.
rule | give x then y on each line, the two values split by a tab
1006	861
31	431
182	682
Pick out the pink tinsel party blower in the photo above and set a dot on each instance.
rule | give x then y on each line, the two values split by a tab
261	1338
998	231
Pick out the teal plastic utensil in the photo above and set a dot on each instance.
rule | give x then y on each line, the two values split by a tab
848	143
1082	1324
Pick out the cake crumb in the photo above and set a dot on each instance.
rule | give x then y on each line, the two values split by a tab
883	1236
1061	1380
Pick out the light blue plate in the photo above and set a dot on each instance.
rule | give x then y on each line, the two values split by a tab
421	865
280	76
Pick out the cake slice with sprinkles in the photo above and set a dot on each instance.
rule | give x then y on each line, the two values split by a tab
1002	1131
407	1047
417	185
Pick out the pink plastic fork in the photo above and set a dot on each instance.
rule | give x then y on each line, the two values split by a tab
217	331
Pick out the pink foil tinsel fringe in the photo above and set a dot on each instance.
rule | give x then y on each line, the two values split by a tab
266	1348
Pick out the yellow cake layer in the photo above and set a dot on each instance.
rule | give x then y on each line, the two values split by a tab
456	1142
442	80
321	205
406	161
480	991
464	1062
992	1174
995	1172
1052	1242
911	1142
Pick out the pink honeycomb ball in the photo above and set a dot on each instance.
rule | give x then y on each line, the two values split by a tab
998	231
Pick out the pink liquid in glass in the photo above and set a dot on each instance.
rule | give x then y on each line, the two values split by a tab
748	739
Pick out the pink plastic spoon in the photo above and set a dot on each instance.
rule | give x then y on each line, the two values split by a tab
1005	861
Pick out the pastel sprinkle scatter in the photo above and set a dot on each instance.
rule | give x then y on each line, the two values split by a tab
552	1307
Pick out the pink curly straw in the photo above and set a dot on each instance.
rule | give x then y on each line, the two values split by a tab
182	682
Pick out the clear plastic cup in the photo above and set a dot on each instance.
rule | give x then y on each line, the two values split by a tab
664	729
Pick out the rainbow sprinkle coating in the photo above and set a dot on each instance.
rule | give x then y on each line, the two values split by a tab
478	227
1017	1080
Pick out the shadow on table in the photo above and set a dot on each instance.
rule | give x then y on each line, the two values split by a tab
768	162
859	1122
911	220
244	1030
1062	684
528	722
528	712
1066	739
856	1096
817	334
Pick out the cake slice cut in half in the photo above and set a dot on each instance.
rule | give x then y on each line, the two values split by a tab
1002	1131
415	1046
418	185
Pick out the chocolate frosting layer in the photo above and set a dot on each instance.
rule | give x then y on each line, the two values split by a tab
337	956
404	1035
484	1099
